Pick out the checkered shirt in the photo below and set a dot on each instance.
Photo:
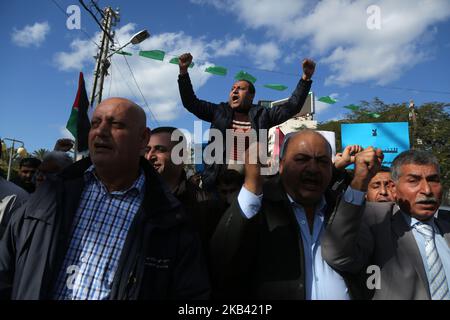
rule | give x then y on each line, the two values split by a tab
99	231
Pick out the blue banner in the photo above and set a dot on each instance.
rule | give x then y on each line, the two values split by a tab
391	137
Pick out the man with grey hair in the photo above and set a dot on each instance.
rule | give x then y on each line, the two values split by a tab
408	247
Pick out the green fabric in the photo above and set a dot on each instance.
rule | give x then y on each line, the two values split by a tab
153	54
274	86
242	75
352	107
72	122
175	61
217	70
327	99
124	53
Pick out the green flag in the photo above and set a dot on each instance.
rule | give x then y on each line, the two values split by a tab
124	53
242	75
175	61
352	107
275	86
153	54
327	99
217	70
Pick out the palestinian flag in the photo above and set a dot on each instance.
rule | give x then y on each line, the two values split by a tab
78	123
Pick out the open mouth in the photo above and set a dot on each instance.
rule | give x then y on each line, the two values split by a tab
234	98
99	146
311	183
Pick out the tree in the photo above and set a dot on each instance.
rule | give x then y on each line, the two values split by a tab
40	153
432	132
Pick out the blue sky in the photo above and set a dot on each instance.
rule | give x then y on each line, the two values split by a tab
41	58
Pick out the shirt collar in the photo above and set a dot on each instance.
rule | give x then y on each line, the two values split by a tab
137	187
320	208
413	222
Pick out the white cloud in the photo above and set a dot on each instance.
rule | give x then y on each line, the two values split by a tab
336	33
157	79
31	35
64	133
264	55
82	51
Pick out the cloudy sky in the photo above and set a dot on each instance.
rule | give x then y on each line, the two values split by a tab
395	50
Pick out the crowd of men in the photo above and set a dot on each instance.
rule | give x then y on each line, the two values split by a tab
128	223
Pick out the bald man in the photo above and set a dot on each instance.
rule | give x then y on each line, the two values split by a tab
268	243
107	227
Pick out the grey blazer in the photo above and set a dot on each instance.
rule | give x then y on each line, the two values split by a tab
379	235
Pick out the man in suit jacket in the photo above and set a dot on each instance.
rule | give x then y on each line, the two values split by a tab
268	243
403	239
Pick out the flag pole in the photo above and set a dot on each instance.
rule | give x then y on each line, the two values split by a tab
75	147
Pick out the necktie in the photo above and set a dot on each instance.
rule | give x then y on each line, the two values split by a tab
438	281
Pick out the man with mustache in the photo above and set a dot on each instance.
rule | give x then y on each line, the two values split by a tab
107	227
239	114
403	239
268	243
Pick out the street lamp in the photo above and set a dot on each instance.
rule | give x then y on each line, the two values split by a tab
135	39
20	151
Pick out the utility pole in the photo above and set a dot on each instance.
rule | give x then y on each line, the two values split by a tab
412	117
110	19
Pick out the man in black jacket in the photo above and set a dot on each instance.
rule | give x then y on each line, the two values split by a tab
106	229
268	243
239	114
200	205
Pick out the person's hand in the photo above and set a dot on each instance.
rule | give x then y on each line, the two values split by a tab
64	145
343	159
184	61
253	180
367	164
308	66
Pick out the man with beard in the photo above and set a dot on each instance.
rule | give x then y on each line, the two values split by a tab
239	114
27	169
268	243
403	240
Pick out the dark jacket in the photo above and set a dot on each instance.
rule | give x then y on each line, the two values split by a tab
263	257
380	236
204	209
161	257
221	115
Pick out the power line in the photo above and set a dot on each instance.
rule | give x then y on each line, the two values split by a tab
137	85
340	81
96	20
94	4
125	79
140	91
84	31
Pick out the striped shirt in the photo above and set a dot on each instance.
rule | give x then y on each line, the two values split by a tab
241	126
99	230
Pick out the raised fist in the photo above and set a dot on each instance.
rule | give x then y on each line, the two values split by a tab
308	66
184	61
